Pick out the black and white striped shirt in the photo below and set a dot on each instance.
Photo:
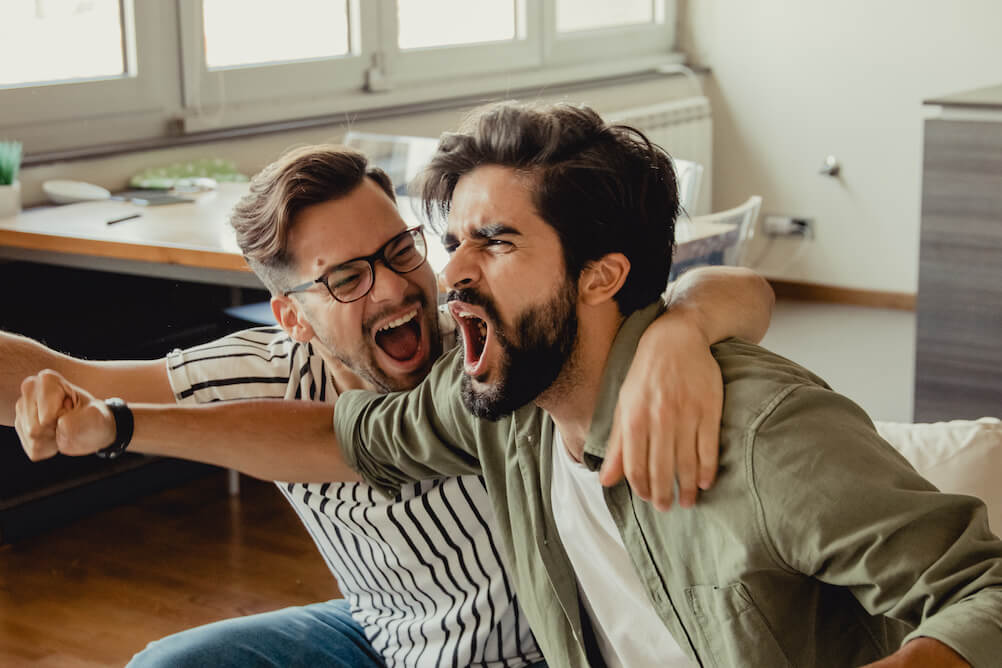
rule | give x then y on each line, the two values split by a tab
422	572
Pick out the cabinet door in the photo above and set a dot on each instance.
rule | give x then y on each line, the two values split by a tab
958	354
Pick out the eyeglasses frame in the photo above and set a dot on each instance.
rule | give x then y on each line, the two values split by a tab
380	255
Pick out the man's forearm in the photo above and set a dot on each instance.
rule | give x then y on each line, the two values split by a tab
273	440
21	357
724	301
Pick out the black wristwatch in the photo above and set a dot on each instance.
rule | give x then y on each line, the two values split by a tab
124	426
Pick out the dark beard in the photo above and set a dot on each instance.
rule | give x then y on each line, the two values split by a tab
531	361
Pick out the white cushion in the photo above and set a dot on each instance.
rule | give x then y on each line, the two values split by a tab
960	457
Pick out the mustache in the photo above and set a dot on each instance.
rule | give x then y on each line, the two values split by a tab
473	298
469	296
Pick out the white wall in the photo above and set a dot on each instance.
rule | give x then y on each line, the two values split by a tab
795	80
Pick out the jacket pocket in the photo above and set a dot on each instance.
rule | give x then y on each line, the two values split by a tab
732	628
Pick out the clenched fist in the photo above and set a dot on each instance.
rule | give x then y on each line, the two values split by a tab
53	415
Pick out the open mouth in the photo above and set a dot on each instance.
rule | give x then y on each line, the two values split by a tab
475	335
401	338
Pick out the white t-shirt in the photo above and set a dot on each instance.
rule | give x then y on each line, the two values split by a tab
423	572
629	631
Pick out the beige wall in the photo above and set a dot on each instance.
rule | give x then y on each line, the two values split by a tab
795	80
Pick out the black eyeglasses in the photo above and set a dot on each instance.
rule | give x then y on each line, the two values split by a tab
352	280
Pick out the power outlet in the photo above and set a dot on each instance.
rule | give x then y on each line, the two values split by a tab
788	226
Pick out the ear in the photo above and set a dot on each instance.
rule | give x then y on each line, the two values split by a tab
601	279
290	318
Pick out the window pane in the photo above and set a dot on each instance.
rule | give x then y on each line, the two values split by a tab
426	23
60	40
574	15
243	33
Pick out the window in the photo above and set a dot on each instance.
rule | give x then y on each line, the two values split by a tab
430	23
425	43
300	30
577	15
92	72
83	60
61	40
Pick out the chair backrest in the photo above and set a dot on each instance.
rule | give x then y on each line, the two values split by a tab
689	176
744	216
402	157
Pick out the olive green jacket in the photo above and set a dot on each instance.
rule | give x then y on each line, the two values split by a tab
817	546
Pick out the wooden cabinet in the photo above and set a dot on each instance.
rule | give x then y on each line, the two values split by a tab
958	357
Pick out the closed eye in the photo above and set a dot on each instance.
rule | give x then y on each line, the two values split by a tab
499	245
344	281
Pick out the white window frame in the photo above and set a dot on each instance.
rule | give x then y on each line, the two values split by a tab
175	93
140	90
311	82
462	60
612	43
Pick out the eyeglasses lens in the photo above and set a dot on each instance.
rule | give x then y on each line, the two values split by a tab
354	280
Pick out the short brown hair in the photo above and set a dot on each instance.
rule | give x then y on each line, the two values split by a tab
603	188
300	178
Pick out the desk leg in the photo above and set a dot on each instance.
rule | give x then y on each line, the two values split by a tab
233	482
232	475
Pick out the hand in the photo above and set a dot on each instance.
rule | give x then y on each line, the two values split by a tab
54	416
922	652
667	419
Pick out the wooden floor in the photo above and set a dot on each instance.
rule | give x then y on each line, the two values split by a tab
96	592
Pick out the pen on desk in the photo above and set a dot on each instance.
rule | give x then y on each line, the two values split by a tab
124	218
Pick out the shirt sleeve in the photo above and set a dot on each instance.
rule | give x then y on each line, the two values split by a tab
260	363
867	521
395	439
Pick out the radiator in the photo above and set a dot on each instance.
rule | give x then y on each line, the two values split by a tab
682	127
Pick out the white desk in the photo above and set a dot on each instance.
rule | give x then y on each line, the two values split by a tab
194	242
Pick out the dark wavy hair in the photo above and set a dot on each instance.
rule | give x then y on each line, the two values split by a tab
603	188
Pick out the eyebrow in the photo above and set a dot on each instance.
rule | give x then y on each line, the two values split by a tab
488	231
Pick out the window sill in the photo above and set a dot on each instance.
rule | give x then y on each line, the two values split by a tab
262	119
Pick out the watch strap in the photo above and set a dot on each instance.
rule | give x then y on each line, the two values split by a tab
124	427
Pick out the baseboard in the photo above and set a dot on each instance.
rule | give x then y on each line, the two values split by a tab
816	292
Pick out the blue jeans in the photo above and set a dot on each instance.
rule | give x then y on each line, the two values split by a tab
321	634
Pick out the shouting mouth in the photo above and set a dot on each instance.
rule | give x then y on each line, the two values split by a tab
400	338
476	336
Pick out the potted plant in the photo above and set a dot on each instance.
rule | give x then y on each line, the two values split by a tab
10	187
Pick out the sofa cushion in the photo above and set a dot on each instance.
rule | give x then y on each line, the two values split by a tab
960	456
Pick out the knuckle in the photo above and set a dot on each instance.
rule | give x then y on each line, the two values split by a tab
634	422
663	499
47	376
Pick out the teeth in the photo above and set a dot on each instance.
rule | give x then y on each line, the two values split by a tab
399	321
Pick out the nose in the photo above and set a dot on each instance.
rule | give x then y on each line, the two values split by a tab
461	270
387	284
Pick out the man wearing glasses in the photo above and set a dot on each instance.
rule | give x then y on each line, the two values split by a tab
422	574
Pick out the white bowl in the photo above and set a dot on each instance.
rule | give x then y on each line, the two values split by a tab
66	192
